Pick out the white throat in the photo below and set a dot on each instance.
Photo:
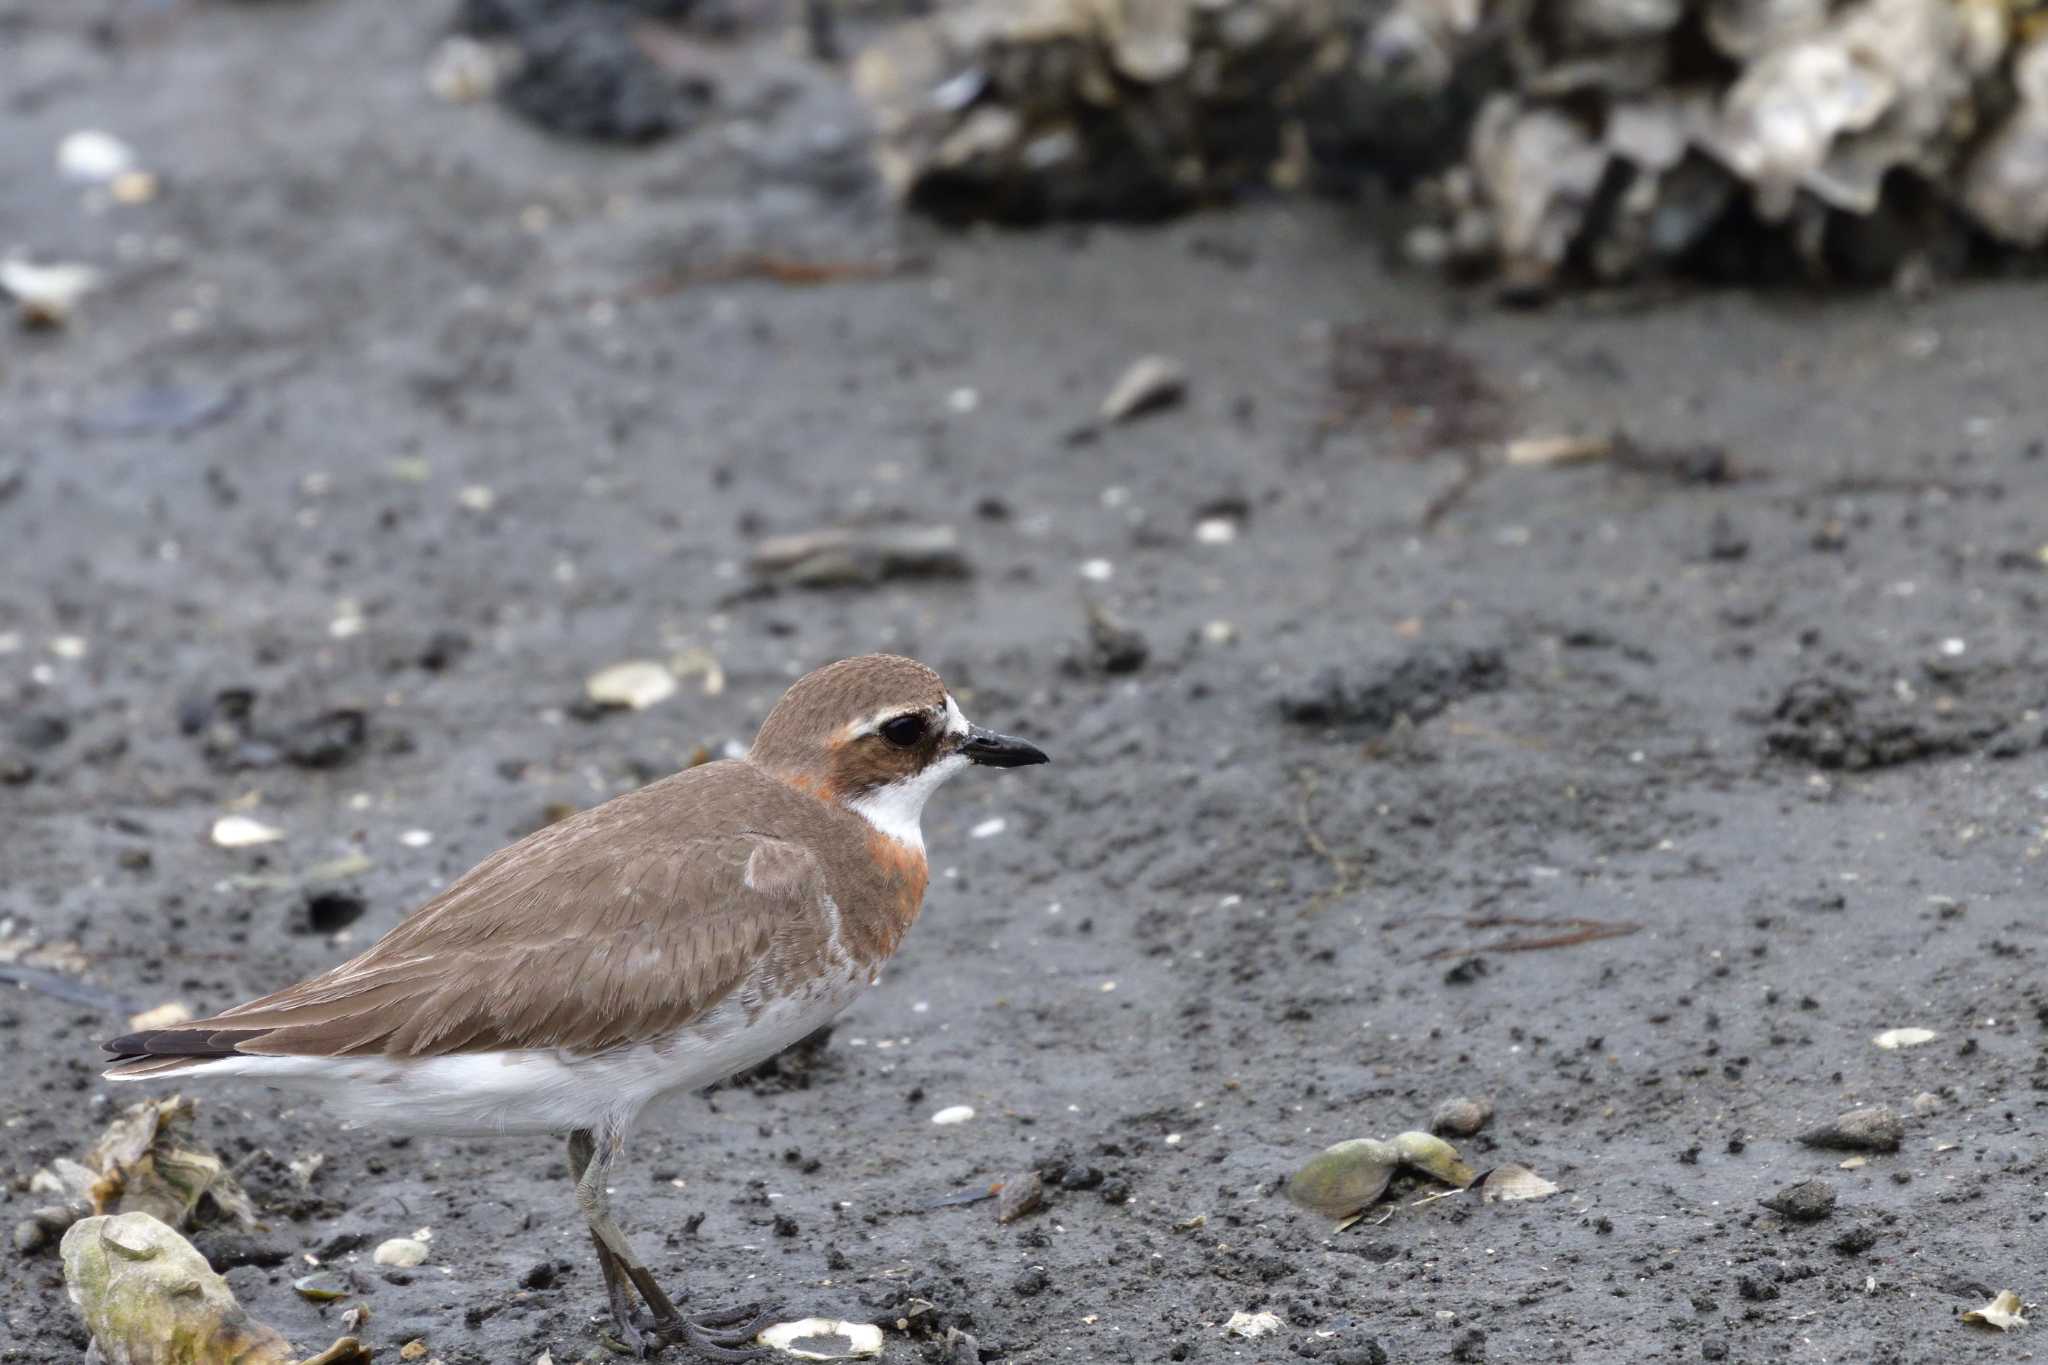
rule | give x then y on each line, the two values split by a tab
897	810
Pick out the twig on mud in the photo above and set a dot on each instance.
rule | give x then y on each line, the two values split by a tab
1344	869
1576	931
793	271
1477	467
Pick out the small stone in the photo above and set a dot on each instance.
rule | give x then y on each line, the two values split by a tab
1022	1194
1856	1240
1031	1283
416	1349
957	1113
1875	1129
1926	1103
1807	1202
1460	1116
400	1251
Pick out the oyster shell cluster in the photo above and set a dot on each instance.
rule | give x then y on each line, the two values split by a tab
1865	136
1542	139
1023	110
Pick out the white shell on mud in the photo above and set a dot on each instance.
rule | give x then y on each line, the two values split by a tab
823	1339
241	831
46	294
636	684
1894	1038
1513	1183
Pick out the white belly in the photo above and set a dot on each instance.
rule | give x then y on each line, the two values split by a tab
541	1090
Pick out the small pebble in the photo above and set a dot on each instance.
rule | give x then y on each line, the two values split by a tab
1460	1116
1807	1202
1022	1194
958	1113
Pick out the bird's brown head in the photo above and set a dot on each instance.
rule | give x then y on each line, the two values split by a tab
877	733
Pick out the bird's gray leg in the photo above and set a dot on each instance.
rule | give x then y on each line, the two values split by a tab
716	1336
617	1291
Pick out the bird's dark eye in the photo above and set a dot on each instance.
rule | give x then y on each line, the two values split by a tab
903	731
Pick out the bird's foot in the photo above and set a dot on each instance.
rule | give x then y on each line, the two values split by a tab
629	1337
726	1335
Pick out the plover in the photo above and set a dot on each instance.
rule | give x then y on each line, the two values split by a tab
657	943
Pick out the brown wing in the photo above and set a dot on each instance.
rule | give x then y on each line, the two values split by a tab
582	944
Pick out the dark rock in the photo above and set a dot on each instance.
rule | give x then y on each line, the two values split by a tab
543	1274
1807	1202
443	650
224	1250
584	68
1757	1289
1856	1240
1367	1352
328	912
1030	1284
1470	1347
1080	1178
1831	725
326	741
1022	1194
43	731
1875	1129
1373	693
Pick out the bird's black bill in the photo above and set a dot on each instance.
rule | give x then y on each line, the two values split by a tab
1000	751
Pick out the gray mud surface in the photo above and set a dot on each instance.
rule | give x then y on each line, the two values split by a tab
1771	690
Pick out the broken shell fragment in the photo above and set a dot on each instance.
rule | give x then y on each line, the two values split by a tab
1431	1155
320	1287
859	555
823	1339
1342	1179
1513	1183
1252	1325
1151	383
1875	1129
1893	1039
240	831
93	157
634	685
46	295
2003	1312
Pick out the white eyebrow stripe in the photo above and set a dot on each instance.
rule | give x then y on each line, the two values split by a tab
874	723
956	723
